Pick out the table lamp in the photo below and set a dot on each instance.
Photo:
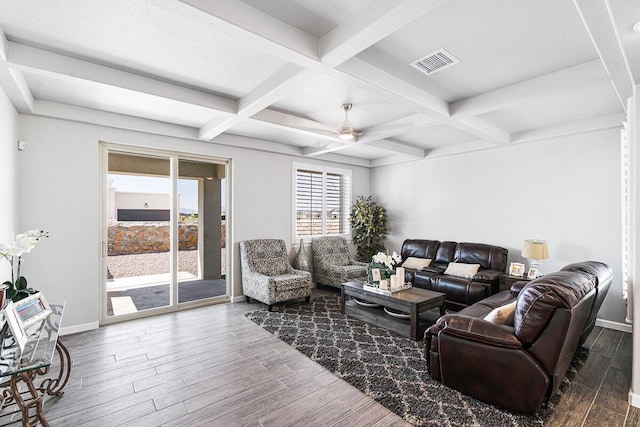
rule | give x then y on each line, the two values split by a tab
535	250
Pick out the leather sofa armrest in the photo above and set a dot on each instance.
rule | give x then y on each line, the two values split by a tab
487	276
517	286
479	330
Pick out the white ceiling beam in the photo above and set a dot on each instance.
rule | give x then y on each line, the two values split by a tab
400	148
391	160
586	73
378	20
594	124
273	89
114	120
13	82
329	148
480	128
295	124
598	23
462	148
257	29
217	126
269	91
41	62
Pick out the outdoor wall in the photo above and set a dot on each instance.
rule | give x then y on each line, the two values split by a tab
61	187
137	238
8	177
565	191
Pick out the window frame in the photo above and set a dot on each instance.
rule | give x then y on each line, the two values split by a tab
346	203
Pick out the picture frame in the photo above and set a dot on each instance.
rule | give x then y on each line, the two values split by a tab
32	309
516	269
374	275
12	318
533	273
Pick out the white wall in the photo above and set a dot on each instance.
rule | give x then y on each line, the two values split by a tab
60	192
565	191
8	189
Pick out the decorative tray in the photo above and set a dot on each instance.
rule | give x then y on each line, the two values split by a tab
387	292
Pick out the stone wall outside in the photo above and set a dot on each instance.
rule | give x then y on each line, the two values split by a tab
125	238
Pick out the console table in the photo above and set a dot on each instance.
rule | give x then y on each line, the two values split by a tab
26	376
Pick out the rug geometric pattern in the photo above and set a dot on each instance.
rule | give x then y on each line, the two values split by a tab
387	367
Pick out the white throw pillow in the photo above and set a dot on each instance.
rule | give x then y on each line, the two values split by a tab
416	263
462	270
502	315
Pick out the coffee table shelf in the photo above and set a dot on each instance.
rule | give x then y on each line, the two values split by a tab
414	301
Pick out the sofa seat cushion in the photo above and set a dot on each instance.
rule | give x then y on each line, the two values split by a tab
460	290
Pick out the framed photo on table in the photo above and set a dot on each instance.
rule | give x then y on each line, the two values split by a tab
13	320
32	309
533	273
516	269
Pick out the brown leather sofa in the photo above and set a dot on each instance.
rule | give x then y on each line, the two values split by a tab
460	291
518	366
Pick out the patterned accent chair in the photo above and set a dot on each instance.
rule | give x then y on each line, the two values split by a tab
332	262
267	275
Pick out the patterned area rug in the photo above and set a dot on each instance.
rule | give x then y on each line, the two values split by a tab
387	367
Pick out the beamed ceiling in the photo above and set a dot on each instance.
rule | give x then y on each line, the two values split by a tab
272	74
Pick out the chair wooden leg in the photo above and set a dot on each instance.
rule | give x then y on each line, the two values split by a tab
248	299
270	307
307	299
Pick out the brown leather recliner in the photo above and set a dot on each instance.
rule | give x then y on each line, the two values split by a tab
518	367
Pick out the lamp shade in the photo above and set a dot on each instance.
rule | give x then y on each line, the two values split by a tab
535	249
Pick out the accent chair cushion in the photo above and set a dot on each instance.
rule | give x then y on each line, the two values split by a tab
462	270
271	266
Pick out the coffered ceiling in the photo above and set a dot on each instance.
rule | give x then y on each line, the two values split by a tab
272	74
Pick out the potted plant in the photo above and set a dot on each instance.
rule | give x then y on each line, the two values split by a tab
17	287
369	223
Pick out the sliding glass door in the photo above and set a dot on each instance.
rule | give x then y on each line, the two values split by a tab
164	233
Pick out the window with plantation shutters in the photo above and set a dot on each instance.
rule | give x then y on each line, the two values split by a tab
322	198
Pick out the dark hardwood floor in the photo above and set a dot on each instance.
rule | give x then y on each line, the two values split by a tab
212	367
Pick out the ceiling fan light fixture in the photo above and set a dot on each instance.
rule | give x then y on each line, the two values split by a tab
346	136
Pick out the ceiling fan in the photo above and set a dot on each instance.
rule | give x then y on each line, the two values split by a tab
346	131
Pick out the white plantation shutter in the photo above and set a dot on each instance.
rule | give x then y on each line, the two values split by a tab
322	198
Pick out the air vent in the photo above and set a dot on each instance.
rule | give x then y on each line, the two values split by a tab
436	61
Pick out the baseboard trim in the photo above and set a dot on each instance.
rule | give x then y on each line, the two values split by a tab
241	298
68	330
634	399
624	327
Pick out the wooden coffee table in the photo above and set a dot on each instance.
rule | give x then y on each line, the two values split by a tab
413	301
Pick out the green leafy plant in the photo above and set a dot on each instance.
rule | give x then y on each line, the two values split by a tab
369	223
